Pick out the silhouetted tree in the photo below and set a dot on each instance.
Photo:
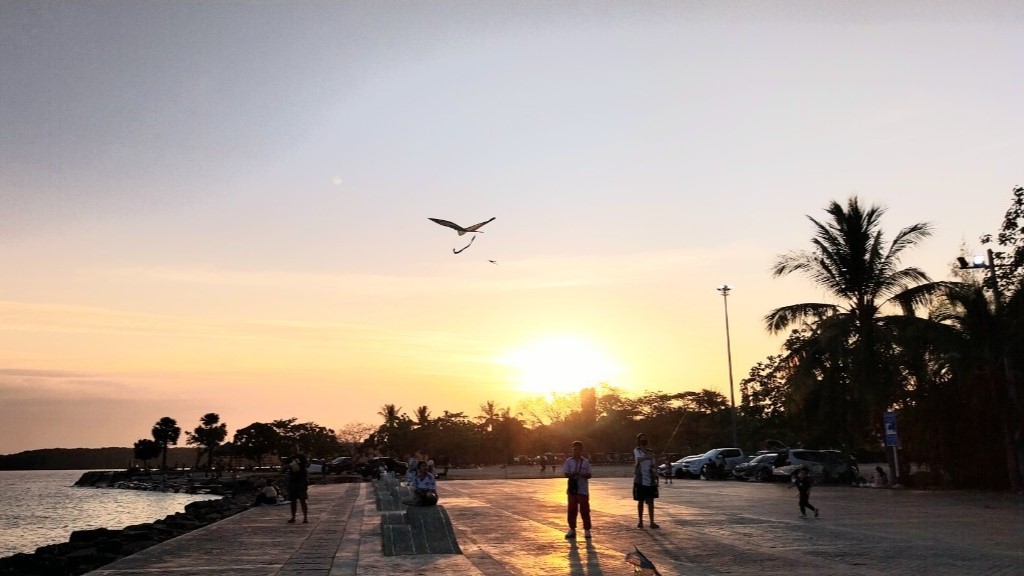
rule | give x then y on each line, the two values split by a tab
146	450
166	433
845	374
207	437
257	440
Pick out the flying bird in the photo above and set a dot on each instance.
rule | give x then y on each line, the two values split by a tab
641	565
471	238
457	228
491	261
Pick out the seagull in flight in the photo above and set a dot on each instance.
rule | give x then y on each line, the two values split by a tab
471	238
457	228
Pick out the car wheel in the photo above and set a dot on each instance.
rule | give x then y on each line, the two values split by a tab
705	471
764	475
680	474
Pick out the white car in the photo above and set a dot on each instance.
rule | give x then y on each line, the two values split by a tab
696	467
676	468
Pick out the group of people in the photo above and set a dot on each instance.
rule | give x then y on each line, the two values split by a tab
576	469
578	472
645	487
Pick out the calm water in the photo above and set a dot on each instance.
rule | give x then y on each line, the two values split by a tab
39	507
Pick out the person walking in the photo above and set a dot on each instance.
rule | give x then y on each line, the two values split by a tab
645	481
298	485
803	485
577	470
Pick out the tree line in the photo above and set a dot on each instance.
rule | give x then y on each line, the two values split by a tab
939	354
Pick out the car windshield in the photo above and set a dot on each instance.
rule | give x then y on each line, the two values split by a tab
808	455
764	458
710	453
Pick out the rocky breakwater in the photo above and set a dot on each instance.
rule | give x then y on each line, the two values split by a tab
88	550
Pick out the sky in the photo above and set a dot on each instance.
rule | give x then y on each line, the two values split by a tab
223	206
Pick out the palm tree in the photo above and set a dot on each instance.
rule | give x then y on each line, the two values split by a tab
489	416
981	380
166	434
422	416
391	415
207	436
846	368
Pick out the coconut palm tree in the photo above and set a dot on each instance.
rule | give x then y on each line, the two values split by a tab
422	416
166	433
846	369
391	415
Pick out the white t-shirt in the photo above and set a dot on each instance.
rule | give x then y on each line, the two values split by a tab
583	467
646	466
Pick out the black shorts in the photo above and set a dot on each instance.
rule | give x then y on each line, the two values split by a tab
643	493
297	492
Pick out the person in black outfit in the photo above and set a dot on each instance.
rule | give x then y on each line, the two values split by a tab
298	485
803	484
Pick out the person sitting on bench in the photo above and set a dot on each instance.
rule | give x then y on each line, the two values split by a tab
424	488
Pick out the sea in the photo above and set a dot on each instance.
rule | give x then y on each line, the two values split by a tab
40	507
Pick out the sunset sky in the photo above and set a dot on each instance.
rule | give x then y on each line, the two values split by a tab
222	206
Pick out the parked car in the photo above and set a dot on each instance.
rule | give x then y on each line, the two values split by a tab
341	464
315	466
371	468
761	468
840	467
702	465
675	469
796	458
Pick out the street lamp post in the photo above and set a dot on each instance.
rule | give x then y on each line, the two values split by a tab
724	289
1016	464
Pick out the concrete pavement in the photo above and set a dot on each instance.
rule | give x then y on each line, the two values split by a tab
507	527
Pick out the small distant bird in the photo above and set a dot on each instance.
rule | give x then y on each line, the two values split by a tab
491	261
456	227
641	565
471	238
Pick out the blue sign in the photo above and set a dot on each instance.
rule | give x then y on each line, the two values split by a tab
891	438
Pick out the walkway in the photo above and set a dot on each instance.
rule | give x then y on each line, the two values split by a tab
515	527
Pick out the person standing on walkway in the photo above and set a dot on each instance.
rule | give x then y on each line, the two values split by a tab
803	485
298	485
645	481
577	470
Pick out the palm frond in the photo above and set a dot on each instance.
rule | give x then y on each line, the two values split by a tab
781	318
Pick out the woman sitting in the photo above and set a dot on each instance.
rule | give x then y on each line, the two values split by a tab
424	487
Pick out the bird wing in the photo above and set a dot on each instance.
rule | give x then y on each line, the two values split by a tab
454	251
641	562
452	225
476	227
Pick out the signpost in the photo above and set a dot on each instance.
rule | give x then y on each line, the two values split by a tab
892	439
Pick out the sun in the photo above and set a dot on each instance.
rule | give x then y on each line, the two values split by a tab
560	365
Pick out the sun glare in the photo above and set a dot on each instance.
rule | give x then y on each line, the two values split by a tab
560	365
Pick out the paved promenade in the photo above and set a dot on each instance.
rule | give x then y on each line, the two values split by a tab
516	527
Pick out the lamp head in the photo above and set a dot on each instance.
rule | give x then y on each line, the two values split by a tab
962	262
724	289
979	260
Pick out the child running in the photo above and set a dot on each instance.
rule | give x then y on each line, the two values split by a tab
803	484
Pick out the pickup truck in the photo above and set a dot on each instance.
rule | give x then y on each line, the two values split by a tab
697	466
